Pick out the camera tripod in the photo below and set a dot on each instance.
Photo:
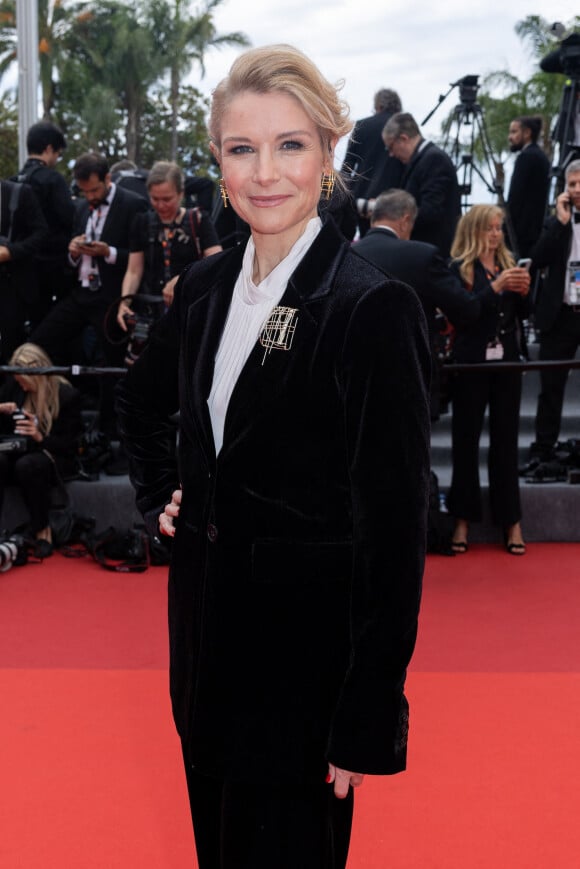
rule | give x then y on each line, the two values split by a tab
460	148
565	133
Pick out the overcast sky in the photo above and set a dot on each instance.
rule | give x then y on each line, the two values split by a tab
416	48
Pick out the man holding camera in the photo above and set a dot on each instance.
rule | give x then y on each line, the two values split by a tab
22	230
557	314
99	251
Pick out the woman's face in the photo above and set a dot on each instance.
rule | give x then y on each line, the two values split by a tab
493	235
272	162
166	200
28	384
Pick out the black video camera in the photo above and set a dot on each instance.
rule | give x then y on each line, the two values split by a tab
139	326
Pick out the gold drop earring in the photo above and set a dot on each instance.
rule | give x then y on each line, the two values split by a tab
327	184
224	192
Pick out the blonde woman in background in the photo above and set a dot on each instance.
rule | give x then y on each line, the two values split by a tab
45	409
488	270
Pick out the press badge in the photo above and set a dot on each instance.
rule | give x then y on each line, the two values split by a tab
574	282
494	351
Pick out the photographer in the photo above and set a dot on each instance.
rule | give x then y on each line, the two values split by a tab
40	419
164	241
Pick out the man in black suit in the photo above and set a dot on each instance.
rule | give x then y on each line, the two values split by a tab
528	194
45	144
557	314
388	246
99	251
429	177
367	167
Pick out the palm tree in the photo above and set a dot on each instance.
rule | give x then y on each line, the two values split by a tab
505	96
184	39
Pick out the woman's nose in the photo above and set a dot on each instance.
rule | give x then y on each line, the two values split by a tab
266	170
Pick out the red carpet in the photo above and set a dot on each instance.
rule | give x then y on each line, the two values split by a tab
90	763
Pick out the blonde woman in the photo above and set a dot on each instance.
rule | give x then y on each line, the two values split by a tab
297	500
45	409
488	270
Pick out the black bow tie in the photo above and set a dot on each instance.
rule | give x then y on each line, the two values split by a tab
577	217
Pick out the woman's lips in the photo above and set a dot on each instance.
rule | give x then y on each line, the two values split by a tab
268	201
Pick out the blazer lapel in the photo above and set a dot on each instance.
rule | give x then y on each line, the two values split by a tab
206	318
271	365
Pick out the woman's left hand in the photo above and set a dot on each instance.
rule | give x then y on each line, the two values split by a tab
343	779
29	427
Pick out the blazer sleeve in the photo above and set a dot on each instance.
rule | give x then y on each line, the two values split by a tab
385	375
552	244
448	293
147	399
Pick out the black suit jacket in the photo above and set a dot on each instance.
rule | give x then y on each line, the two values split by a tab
420	265
500	317
116	231
431	178
551	252
528	197
367	163
29	230
297	561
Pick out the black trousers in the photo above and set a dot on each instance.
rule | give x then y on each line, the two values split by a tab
242	825
559	342
34	474
62	327
472	393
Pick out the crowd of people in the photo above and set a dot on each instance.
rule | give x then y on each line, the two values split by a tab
295	339
81	265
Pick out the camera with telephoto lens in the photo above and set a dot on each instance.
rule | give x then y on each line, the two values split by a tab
139	327
13	552
14	443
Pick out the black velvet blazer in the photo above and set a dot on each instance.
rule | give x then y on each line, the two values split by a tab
297	562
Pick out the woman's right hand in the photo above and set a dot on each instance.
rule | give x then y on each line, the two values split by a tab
8	406
515	280
170	513
123	310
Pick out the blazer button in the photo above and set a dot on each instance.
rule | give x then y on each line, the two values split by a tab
212	533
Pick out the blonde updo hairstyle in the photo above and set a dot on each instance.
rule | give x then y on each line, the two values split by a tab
285	69
43	397
470	239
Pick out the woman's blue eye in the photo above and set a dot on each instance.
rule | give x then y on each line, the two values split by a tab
240	149
292	145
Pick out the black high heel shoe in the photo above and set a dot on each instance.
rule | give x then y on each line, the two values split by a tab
513	548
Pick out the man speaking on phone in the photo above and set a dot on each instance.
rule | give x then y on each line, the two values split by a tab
557	313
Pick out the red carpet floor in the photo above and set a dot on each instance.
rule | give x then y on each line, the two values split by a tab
89	762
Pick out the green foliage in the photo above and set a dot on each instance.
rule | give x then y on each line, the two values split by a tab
8	137
503	96
104	70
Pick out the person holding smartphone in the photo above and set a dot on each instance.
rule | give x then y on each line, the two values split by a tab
557	311
487	269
